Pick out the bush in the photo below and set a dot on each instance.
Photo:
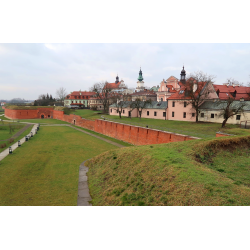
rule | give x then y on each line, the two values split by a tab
3	145
11	140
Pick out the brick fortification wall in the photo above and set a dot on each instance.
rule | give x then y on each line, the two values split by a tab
128	133
137	135
28	113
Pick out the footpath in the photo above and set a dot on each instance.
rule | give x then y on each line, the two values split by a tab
15	145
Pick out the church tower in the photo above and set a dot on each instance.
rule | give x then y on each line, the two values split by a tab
183	76
117	79
140	83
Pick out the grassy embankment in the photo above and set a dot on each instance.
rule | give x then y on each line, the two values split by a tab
199	172
45	170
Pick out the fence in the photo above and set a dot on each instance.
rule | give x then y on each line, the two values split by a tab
245	124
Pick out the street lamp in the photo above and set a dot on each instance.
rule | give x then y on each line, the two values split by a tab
19	144
26	138
10	150
31	134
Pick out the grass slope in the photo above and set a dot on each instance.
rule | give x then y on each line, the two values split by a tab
88	114
45	170
181	173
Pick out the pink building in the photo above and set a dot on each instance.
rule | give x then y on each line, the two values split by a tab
155	110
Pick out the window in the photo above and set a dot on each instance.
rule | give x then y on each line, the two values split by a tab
193	114
172	114
161	99
123	111
202	114
212	115
173	104
147	112
110	110
155	113
237	117
184	114
185	104
164	114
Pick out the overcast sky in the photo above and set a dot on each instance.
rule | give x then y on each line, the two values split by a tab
30	69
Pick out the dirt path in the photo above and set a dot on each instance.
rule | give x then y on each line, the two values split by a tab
18	133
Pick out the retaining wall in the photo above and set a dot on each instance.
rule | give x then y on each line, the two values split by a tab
137	135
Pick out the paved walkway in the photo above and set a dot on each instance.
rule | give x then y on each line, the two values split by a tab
15	145
83	190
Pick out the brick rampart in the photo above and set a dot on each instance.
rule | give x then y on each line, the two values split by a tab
137	135
28	113
128	133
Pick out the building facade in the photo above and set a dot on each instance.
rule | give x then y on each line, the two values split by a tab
78	99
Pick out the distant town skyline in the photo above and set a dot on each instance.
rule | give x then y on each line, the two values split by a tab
28	70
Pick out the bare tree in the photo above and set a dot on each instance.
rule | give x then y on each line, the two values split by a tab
103	93
119	107
232	82
140	105
198	86
230	108
61	93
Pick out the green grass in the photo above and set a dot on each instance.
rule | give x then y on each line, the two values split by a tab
44	121
45	170
180	173
88	114
27	131
201	129
105	137
5	132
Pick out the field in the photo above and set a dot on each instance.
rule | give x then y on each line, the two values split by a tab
192	173
88	114
44	171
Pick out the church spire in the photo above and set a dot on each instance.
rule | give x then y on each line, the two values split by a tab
117	79
183	75
140	78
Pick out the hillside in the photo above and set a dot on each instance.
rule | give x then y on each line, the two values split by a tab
204	172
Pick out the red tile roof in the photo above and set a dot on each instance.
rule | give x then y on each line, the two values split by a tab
180	95
227	91
113	85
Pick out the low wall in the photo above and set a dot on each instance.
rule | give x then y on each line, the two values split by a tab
137	135
220	134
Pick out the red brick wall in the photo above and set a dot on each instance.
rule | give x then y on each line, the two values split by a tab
79	121
137	135
28	113
218	134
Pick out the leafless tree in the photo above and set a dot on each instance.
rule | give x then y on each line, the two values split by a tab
61	93
119	105
198	85
232	82
140	105
230	108
103	93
